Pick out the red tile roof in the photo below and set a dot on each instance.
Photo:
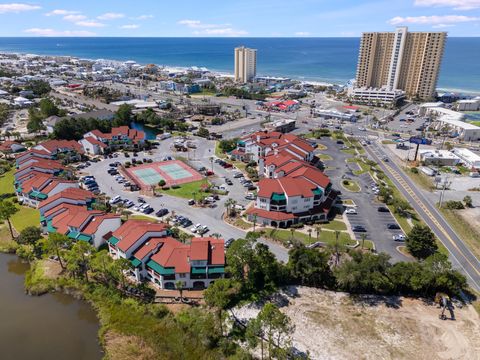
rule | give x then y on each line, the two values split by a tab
272	215
53	146
132	230
149	246
94	141
96	221
70	193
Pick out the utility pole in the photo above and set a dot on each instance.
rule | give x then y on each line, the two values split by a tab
446	184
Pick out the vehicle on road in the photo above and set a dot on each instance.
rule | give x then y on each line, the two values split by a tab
359	228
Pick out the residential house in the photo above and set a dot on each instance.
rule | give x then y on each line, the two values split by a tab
121	137
72	196
33	190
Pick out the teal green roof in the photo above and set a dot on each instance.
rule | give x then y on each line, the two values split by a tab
135	262
318	191
216	269
160	269
50	227
113	240
42	218
278	197
73	234
240	142
199	270
84	237
37	195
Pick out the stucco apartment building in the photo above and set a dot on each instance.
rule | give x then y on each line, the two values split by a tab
96	142
408	61
163	260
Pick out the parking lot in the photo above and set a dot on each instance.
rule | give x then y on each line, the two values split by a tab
366	204
211	217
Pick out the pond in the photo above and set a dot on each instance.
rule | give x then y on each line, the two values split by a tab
151	133
52	326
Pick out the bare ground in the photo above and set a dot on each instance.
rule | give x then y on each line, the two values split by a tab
124	347
332	325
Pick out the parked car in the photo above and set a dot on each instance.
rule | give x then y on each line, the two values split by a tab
393	226
195	228
203	230
161	212
228	182
250	196
383	209
399	237
359	228
115	200
141	200
352	211
191	202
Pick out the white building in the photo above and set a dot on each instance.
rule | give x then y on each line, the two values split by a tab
245	64
439	157
468	158
469	105
382	95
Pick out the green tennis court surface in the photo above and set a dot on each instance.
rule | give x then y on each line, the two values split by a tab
175	171
148	176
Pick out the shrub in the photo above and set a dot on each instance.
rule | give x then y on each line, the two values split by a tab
346	182
453	205
414	170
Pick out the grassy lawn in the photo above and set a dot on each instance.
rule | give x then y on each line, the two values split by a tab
186	190
321	147
334	225
325	157
364	168
242	224
328	237
350	151
239	165
387	142
140	217
463	229
348	202
6	182
6	243
218	151
25	217
352	185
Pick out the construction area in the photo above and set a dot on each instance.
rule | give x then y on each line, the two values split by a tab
335	325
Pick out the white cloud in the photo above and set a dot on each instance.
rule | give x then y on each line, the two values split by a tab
89	23
142	17
441	26
61	12
111	16
74	18
220	32
17	7
52	32
130	26
211	29
456	4
302	33
432	20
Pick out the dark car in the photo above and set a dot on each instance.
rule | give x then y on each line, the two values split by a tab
340	142
393	226
229	242
141	200
161	212
383	209
228	182
359	228
148	210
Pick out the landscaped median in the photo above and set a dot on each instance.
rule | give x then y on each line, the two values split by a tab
350	185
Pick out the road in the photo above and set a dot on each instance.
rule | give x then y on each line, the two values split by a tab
211	217
462	257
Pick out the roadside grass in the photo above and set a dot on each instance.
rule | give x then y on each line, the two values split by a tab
328	237
350	151
321	147
388	142
334	225
351	186
6	182
463	229
421	179
140	217
347	202
186	191
368	244
363	167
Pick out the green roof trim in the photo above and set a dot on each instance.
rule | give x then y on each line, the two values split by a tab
199	270
160	269
216	269
37	195
241	142
135	262
278	197
84	237
318	191
73	234
50	227
113	240
42	218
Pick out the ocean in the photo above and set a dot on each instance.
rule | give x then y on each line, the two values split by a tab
331	60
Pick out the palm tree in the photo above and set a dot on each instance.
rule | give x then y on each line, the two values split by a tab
254	221
179	286
363	237
229	204
292	232
318	230
309	233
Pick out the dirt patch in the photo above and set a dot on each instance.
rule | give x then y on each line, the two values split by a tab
123	347
332	325
51	269
471	216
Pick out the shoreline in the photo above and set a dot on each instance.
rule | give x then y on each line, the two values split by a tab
223	73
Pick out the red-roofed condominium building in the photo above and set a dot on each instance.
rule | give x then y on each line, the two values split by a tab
164	260
95	142
291	190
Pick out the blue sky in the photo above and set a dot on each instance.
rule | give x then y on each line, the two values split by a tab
242	18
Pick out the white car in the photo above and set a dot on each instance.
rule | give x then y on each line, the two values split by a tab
399	237
195	228
114	200
351	211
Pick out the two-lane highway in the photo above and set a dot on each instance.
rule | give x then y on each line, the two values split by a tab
461	256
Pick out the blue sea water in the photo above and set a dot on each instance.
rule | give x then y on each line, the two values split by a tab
315	59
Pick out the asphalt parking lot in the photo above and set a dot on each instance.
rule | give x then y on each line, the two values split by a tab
367	205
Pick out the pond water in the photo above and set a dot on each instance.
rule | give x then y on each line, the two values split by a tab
52	326
150	132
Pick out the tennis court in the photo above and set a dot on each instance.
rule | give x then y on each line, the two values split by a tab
173	172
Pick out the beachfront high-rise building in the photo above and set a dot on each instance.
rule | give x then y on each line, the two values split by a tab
408	61
245	64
